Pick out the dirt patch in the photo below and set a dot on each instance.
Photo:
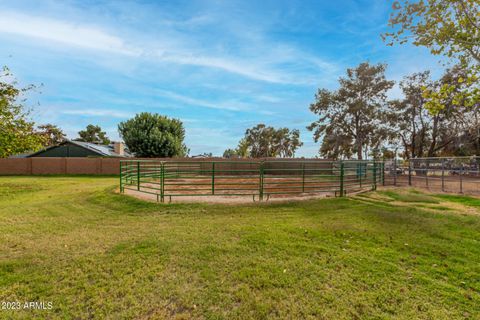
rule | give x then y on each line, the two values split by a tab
449	184
224	199
403	196
235	190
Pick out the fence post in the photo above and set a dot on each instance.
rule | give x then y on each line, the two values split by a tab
383	173
121	178
395	171
162	182
138	175
374	187
461	180
213	177
342	177
125	168
409	172
426	175
260	191
303	177
443	175
361	173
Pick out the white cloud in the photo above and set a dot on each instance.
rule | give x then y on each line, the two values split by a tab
264	62
63	32
243	68
98	113
201	103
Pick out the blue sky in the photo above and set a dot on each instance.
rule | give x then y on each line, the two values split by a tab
220	66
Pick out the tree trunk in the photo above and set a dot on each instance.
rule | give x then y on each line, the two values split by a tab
477	140
431	150
359	151
405	147
477	153
413	148
358	136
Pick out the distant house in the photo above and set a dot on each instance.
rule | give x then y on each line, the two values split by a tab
70	148
201	156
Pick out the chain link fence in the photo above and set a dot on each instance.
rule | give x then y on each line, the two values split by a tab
444	174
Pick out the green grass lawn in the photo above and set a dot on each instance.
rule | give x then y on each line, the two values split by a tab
96	254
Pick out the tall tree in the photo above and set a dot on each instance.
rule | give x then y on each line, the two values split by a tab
242	148
52	133
17	131
455	117
93	134
263	141
260	141
152	135
287	142
350	118
466	143
446	27
336	144
424	134
471	137
408	118
241	151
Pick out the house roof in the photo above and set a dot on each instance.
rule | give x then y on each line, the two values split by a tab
19	155
100	149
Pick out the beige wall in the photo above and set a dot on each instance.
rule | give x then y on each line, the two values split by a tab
15	166
51	165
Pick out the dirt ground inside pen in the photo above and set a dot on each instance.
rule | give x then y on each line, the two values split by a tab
224	199
235	190
231	190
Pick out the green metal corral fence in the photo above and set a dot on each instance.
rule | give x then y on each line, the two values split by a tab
257	179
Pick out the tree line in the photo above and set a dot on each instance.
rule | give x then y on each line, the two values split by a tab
433	118
357	120
264	141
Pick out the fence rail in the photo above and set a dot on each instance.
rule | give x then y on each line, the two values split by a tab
257	179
